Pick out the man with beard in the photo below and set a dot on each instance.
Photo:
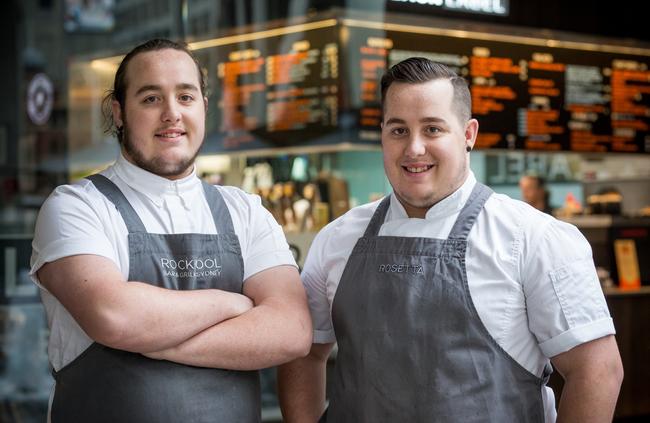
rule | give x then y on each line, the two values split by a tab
449	302
164	295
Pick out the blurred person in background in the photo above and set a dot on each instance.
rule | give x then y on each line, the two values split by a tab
534	192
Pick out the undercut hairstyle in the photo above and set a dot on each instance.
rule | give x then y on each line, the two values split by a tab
418	70
120	84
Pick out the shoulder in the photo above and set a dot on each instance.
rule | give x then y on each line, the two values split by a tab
516	215
80	194
331	248
342	233
76	208
532	234
75	219
239	200
246	210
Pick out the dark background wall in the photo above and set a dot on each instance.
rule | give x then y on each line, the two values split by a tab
594	17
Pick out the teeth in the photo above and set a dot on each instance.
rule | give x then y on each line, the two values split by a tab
417	169
174	135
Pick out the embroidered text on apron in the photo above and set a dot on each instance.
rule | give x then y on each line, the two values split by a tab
108	385
411	346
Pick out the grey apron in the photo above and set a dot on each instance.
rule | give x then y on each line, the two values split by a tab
108	385
411	346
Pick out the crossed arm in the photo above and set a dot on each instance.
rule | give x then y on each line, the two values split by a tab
267	325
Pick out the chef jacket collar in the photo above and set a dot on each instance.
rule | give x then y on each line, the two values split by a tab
153	186
444	208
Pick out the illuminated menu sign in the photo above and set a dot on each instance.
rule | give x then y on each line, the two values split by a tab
319	85
488	7
274	91
525	96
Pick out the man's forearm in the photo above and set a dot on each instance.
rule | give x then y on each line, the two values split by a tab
592	379
133	316
588	399
147	318
267	335
301	389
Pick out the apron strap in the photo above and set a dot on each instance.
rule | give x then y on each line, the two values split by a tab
220	213
113	193
470	212
378	218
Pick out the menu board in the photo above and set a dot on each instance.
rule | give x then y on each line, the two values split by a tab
321	86
525	96
274	91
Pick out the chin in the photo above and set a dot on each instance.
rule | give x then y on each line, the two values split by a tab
420	201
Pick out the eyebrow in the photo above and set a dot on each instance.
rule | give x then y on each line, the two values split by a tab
151	87
423	120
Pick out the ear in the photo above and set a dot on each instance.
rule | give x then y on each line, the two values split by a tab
471	132
205	103
117	114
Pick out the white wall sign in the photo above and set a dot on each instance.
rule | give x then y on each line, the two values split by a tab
490	7
40	99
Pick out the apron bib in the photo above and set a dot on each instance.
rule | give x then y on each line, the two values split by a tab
108	385
411	346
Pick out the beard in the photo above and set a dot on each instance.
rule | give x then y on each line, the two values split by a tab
156	165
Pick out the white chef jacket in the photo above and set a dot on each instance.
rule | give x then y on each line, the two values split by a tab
531	277
78	219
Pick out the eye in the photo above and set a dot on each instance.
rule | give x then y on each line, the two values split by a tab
150	99
398	131
432	130
186	98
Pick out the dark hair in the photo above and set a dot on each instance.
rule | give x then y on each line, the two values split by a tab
118	92
541	184
418	70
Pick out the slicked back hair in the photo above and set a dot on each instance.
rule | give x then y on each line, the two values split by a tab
418	70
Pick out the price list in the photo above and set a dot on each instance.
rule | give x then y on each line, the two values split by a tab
525	96
276	91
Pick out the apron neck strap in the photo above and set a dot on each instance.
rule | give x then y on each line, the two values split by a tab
378	218
220	213
113	193
470	212
463	224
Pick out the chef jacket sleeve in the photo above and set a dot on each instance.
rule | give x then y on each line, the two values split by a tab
565	303
70	223
314	278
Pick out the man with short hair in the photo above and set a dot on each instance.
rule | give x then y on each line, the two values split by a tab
448	302
164	295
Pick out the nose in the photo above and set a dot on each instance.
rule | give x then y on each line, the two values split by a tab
171	112
415	147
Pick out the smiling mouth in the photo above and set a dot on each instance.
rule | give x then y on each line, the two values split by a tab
170	135
417	169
